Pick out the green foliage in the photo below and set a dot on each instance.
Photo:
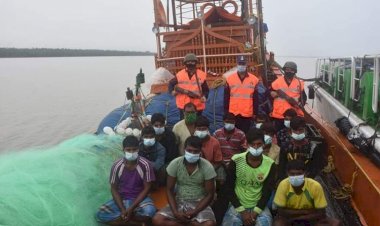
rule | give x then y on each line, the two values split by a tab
45	52
62	185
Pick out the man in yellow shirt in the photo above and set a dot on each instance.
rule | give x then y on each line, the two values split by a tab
301	200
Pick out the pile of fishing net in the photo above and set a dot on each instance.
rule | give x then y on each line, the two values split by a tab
62	185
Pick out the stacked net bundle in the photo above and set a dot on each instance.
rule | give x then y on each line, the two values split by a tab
62	185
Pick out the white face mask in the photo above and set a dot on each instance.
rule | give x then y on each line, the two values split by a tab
255	151
287	123
201	134
192	158
131	156
159	130
267	139
296	136
296	181
258	125
149	142
229	126
241	68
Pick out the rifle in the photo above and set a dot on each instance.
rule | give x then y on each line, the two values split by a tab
189	93
290	100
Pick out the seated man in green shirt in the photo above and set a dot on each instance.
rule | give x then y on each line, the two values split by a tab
194	178
300	200
250	181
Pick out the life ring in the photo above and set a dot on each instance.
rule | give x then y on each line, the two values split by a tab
205	5
233	3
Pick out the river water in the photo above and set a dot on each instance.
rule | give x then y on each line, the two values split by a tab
46	100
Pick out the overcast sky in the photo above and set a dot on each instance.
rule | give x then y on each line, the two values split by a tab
296	27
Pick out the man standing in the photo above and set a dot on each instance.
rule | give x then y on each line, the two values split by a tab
288	92
190	189
300	200
238	95
190	85
131	179
250	181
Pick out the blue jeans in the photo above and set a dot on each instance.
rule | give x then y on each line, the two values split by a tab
233	218
110	211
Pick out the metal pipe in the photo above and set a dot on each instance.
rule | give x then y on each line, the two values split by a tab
174	15
203	45
201	56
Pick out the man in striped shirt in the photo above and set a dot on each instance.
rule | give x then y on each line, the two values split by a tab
232	140
131	179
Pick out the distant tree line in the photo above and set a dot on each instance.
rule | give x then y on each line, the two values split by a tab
46	52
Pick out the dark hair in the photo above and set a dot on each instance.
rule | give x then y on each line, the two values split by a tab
254	134
157	117
229	116
268	127
202	121
130	141
194	141
296	164
263	117
290	113
190	104
297	123
147	130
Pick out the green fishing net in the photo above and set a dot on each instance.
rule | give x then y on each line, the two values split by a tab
62	185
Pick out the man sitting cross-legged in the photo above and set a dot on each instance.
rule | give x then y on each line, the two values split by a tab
194	179
131	179
300	200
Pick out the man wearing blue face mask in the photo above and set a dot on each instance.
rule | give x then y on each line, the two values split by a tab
299	147
194	178
131	180
250	182
165	136
300	200
154	152
238	94
210	147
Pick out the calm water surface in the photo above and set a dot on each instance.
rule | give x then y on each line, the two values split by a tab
46	100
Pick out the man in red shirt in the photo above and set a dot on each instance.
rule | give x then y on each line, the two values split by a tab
210	146
231	139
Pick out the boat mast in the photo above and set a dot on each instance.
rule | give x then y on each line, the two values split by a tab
261	38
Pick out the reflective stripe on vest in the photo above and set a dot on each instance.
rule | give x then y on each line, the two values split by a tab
294	90
241	94
185	83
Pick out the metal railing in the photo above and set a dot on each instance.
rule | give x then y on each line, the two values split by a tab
326	67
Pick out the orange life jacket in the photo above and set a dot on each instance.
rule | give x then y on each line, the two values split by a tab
241	94
294	90
190	84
